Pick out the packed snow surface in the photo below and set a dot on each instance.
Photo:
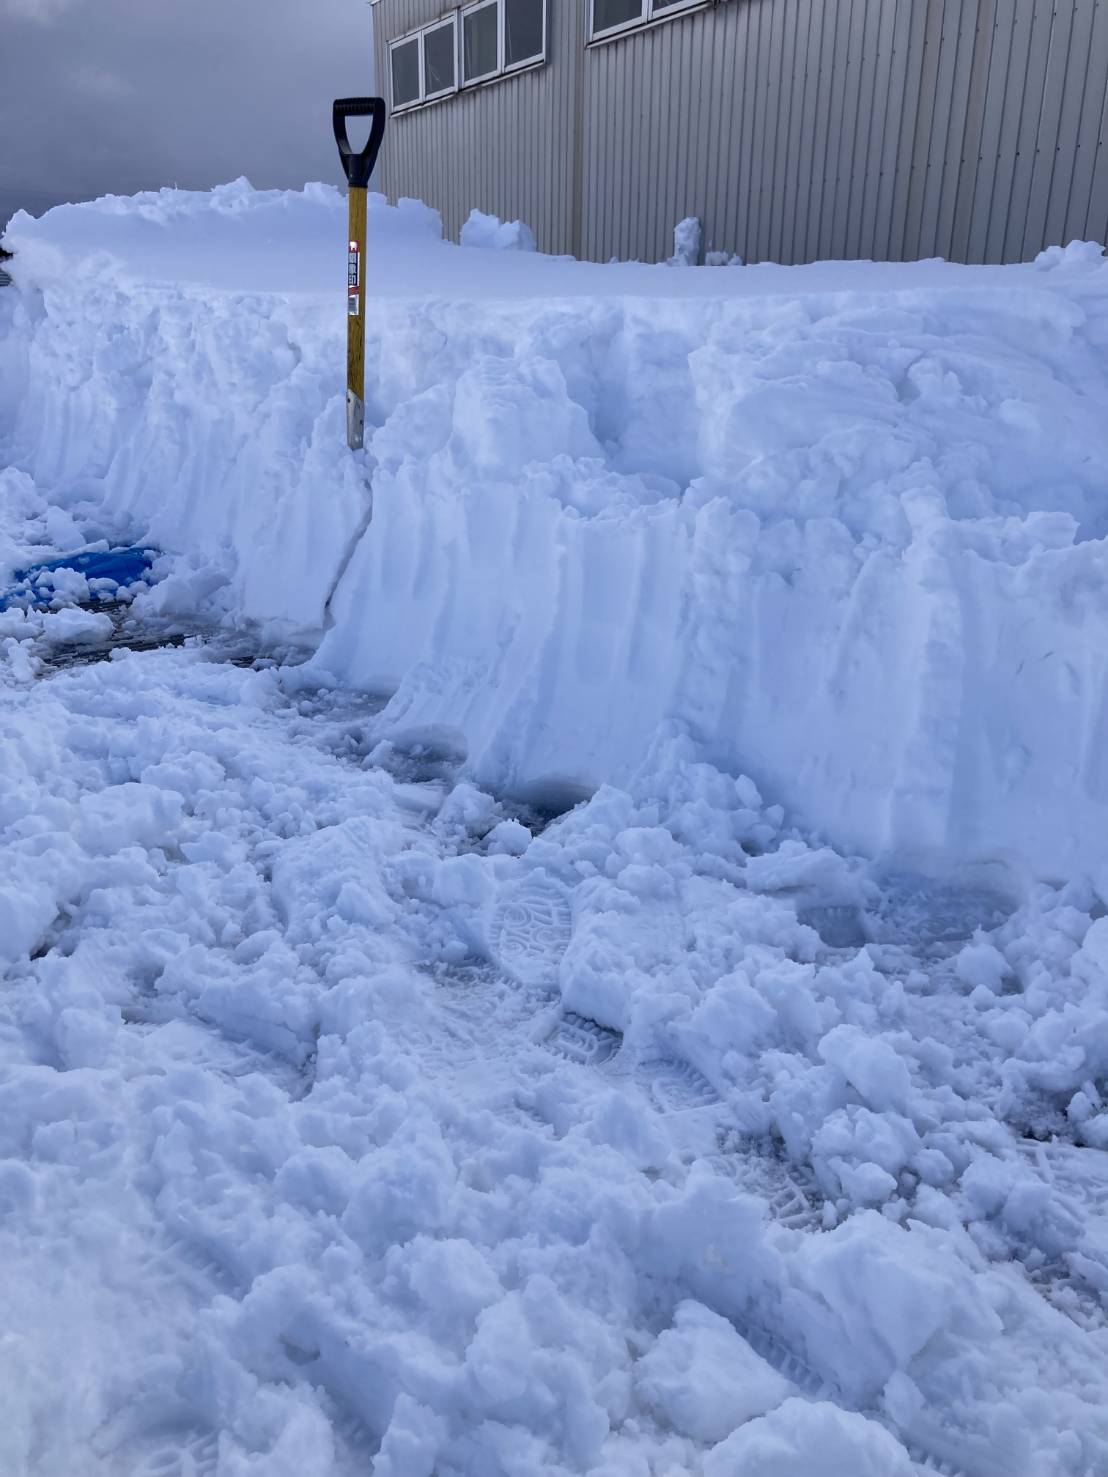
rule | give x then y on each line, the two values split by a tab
576	942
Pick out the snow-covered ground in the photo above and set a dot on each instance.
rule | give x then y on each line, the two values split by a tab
593	957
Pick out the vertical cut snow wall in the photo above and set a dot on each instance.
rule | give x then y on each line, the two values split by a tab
849	529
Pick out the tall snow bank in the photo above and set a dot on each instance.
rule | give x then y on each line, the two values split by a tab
846	523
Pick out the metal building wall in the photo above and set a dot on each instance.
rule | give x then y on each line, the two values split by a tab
795	130
505	147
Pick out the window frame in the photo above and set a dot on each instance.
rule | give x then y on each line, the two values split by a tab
395	45
462	83
509	69
650	16
418	35
498	69
440	25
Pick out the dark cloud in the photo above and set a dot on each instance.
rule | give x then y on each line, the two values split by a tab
102	96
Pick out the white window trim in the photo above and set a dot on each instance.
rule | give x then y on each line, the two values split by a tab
439	25
631	25
528	61
652	15
418	36
394	106
499	67
461	82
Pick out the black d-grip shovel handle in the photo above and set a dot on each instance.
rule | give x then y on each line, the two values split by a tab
359	167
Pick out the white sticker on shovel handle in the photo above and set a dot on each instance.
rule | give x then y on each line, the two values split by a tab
353	279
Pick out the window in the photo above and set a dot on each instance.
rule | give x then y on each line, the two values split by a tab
480	42
405	73
439	47
424	65
495	37
524	31
609	17
500	35
608	14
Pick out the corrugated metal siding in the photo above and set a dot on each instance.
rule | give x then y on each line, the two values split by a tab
505	147
795	129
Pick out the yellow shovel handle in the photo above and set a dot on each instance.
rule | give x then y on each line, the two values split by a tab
355	321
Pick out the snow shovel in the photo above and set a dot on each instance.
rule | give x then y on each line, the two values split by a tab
358	168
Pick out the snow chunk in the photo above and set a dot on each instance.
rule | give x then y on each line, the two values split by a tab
411	1443
128	815
18	659
888	1300
686	243
1076	254
27	908
982	964
797	866
77	626
704	1380
802	1439
865	1184
509	838
490	233
871	1066
69	585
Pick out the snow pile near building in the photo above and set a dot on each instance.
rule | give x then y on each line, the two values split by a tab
846	524
493	234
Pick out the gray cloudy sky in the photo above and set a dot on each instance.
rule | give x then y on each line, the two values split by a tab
123	95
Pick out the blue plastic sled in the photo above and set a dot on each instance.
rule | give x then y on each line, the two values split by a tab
123	565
